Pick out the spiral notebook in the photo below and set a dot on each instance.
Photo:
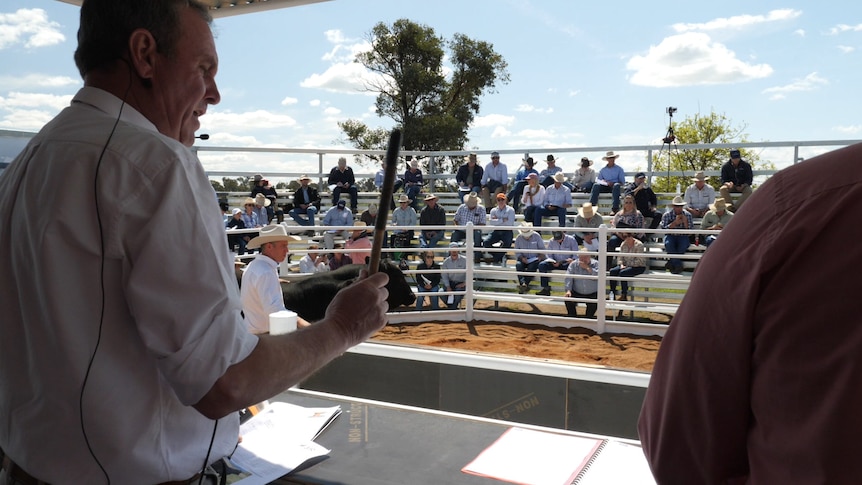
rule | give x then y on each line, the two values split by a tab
530	457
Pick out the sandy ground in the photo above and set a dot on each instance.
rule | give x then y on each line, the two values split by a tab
577	344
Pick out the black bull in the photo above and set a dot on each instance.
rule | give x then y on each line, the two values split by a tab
310	296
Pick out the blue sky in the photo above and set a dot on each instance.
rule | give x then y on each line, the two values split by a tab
582	73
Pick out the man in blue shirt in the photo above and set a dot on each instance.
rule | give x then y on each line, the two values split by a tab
495	179
565	247
611	178
558	198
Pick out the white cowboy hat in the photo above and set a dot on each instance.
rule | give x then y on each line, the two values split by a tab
700	177
430	197
678	201
610	155
473	198
718	205
526	228
404	198
271	233
261	199
586	210
559	177
304	177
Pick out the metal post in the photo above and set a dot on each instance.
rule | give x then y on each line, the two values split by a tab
469	277
603	271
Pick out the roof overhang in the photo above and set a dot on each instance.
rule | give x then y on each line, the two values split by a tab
226	8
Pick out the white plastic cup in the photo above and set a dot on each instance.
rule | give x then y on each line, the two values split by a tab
283	321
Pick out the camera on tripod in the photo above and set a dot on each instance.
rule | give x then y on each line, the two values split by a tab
670	110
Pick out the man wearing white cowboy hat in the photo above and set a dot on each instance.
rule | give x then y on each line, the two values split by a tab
699	195
404	215
470	211
260	291
716	219
676	243
558	198
359	241
306	200
495	179
611	178
526	245
260	205
587	218
432	215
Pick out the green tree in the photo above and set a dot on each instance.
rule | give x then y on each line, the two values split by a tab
433	110
238	184
712	128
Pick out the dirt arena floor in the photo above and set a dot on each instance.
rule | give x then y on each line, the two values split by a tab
624	351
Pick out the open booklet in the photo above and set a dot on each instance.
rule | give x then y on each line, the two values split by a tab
279	440
530	457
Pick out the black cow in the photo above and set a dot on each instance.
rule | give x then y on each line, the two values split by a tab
310	296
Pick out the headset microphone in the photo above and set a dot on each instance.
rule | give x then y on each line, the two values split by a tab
203	136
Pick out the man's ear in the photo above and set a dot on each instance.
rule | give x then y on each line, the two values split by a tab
143	51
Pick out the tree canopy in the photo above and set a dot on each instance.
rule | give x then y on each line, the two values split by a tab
433	104
712	128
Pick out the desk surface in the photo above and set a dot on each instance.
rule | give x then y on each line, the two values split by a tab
382	444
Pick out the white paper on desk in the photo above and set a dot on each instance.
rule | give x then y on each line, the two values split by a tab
618	462
531	457
279	439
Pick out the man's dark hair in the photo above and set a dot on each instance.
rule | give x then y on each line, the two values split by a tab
103	34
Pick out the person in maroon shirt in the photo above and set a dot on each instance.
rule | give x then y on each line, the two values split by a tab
759	377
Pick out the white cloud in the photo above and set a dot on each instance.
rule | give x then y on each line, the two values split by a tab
349	78
574	92
35	81
528	108
330	111
314	102
840	28
808	83
691	59
846	49
289	101
30	27
492	120
849	130
17	100
246	122
799	32
26	119
738	22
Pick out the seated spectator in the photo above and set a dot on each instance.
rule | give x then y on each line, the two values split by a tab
564	247
558	198
249	215
584	177
628	218
313	261
272	196
526	245
341	180
339	215
238	240
586	288
469	176
470	211
495	179
359	240
514	195
591	241
378	182
676	243
404	215
546	177
628	266
533	197
261	203
260	290
337	258
369	216
427	282
413	183
455	281
432	215
645	199
587	217
611	178
716	219
736	177
501	216
699	195
306	201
